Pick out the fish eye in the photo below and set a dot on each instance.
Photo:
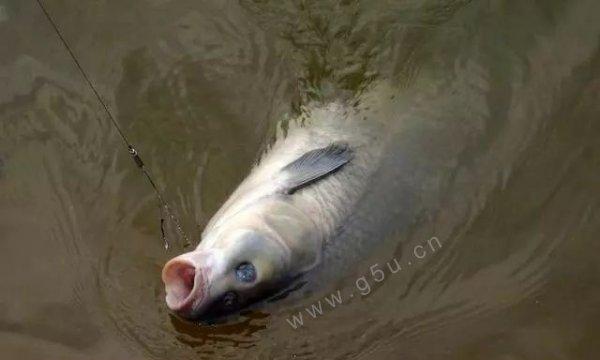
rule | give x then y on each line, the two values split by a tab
245	272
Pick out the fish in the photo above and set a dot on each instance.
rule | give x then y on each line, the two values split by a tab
275	226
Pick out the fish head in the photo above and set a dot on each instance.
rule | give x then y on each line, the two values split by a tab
241	267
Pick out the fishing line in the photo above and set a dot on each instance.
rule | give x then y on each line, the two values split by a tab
164	206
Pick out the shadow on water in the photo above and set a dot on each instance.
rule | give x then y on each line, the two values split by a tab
202	334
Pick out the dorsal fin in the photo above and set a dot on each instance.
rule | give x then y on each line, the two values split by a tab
315	165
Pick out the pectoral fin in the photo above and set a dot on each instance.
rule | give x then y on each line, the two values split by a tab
315	165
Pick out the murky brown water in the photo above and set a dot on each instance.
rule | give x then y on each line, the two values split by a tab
492	109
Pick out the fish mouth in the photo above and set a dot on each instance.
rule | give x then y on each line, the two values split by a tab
185	287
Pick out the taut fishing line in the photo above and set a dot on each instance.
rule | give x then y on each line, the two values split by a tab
164	206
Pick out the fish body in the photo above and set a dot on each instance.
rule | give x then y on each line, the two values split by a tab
277	223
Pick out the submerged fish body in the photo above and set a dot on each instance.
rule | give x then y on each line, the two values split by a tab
275	225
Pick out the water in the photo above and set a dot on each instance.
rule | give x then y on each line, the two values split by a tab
490	110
